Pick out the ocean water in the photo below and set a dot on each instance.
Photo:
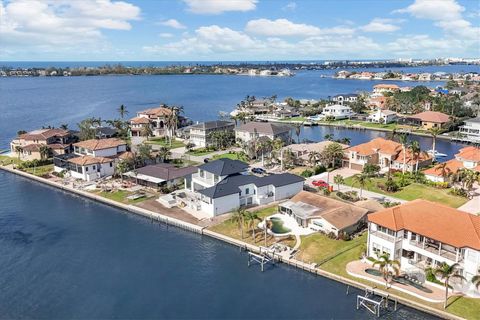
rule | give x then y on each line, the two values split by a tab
63	256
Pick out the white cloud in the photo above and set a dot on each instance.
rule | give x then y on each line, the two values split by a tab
165	35
291	6
380	25
173	23
219	6
447	15
49	26
285	28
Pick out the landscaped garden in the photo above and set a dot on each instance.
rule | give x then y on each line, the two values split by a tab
411	191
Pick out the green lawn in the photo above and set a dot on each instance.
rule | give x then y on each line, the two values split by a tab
199	152
231	229
229	155
414	191
165	143
318	247
467	308
121	196
8	160
40	170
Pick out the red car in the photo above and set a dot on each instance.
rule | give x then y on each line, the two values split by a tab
320	184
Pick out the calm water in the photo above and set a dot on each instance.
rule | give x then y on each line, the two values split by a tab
63	256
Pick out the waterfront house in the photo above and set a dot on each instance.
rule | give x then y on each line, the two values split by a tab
384	88
337	112
301	151
382	116
254	130
467	158
156	118
200	134
385	153
91	159
324	214
160	175
224	185
471	129
377	102
423	234
342	98
428	119
27	146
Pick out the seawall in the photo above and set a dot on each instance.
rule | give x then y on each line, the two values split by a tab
245	246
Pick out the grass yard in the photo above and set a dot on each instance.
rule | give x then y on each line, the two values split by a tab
318	247
8	160
165	143
40	170
121	196
467	308
231	229
199	152
230	155
414	191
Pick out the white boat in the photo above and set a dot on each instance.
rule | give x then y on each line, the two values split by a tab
437	154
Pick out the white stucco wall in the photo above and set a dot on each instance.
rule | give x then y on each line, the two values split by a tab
287	191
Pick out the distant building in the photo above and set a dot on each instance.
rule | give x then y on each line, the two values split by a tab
254	130
382	88
27	145
382	116
421	234
342	98
471	129
200	133
428	119
157	120
377	102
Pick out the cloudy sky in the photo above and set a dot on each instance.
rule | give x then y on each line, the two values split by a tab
176	30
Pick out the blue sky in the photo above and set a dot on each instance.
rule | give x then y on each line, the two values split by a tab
237	29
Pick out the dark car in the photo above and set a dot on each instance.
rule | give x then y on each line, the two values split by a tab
259	171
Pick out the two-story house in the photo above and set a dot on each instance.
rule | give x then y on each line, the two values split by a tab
224	185
342	98
337	112
467	158
156	118
385	153
200	134
471	129
27	146
422	234
91	159
254	130
382	116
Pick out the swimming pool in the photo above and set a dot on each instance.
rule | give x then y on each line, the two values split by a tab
278	227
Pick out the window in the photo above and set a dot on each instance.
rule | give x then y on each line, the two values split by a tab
247	190
86	169
94	168
111	164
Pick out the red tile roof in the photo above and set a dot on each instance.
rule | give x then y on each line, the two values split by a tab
139	120
432	116
377	145
99	144
88	160
43	134
470	153
435	221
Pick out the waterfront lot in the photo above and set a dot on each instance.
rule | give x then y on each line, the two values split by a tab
121	196
412	192
165	143
230	155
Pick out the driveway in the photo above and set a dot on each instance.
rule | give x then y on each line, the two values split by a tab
473	205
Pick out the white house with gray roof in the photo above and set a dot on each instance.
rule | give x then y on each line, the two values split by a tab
200	133
223	185
254	130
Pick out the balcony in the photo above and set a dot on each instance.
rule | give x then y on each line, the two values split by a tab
384	236
435	249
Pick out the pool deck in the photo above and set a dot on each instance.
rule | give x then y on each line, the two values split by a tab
357	269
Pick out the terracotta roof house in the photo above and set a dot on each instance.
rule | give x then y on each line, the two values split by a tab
155	118
467	158
253	130
387	154
324	214
422	234
27	145
428	119
100	147
301	151
383	87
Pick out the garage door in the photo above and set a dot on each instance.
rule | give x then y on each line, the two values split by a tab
356	166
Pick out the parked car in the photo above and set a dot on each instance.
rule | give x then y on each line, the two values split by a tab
259	171
320	184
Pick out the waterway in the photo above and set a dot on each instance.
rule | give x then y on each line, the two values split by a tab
63	256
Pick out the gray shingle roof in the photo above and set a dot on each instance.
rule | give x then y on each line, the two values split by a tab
230	185
264	128
166	171
224	167
212	124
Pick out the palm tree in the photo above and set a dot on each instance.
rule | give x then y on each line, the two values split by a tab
298	130
445	171
267	225
403	140
476	281
328	137
415	149
122	111
251	219
362	180
338	179
147	131
434	132
44	151
18	150
467	178
239	218
313	158
164	153
387	267
64	126
447	272
333	153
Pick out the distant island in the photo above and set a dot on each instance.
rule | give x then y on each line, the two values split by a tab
276	69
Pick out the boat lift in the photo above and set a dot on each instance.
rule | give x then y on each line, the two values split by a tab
265	256
374	306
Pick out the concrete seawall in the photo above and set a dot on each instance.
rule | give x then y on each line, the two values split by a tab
245	246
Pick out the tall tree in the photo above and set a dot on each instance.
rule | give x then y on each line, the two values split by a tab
238	217
298	130
338	179
362	181
44	151
446	273
416	151
387	266
252	219
146	131
403	141
434	132
122	111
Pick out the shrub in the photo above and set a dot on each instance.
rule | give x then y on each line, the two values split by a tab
326	191
459	192
391	185
348	196
319	169
388	204
306	173
371	169
331	235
